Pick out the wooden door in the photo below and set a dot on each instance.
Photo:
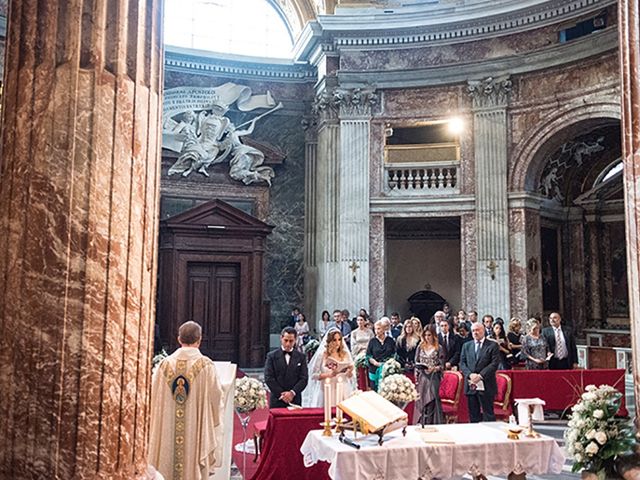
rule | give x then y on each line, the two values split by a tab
213	300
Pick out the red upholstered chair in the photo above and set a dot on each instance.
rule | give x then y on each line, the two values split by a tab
502	404
450	393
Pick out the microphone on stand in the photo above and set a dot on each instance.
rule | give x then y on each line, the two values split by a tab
347	441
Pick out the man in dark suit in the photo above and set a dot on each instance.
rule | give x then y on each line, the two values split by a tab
561	344
479	361
451	345
285	372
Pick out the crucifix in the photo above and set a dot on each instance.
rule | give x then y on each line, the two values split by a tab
354	268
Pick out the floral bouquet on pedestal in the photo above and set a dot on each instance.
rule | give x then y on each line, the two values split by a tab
398	389
249	395
390	367
310	347
595	437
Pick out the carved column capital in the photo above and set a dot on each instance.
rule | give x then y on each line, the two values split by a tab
490	92
325	107
355	102
309	124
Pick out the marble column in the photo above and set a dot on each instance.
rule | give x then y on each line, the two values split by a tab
629	31
342	206
490	98
326	242
310	222
377	266
594	271
352	275
78	211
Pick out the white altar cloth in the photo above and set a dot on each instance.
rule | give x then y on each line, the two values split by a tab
480	448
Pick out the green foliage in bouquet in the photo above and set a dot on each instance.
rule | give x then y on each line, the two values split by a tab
595	437
155	361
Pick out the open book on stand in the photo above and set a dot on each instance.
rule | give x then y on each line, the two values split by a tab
371	413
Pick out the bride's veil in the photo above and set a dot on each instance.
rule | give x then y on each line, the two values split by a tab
313	396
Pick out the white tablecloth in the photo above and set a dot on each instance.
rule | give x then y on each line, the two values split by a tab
478	448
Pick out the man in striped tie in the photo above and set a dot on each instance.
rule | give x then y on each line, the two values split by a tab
561	343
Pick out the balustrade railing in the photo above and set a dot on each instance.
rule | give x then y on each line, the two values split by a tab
424	179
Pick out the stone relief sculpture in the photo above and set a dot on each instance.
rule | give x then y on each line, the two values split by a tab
570	154
208	137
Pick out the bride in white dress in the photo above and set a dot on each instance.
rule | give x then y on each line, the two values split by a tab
333	362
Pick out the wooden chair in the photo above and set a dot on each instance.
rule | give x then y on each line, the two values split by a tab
502	404
450	393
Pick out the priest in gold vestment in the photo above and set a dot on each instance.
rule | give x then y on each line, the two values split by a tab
186	405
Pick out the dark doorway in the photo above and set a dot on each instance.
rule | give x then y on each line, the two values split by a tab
213	300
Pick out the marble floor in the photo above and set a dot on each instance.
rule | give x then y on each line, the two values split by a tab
552	426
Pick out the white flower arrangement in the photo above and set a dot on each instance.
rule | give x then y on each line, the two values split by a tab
398	389
390	367
249	395
595	438
361	360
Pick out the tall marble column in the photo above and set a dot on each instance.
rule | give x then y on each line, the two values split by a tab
352	274
629	31
342	206
310	222
326	201
490	98
78	213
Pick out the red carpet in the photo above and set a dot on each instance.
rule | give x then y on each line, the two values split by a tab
257	416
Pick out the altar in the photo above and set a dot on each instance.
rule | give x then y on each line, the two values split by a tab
481	448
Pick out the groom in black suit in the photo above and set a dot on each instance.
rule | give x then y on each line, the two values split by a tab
479	361
285	372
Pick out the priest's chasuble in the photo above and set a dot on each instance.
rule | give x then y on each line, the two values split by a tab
186	405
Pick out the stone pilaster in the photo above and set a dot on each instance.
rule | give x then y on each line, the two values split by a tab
595	297
79	210
342	207
629	16
377	271
490	98
310	221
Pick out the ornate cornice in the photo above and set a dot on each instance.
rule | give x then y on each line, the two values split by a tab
490	92
392	29
198	61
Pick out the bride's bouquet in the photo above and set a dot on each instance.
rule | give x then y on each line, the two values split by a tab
250	394
398	389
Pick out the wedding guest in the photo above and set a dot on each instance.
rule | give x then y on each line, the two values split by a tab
406	345
294	317
451	345
498	335
428	371
396	326
386	324
285	372
461	319
487	321
302	331
535	349
473	318
514	334
381	348
417	326
331	363
561	343
325	323
464	334
478	363
438	317
360	337
446	309
340	324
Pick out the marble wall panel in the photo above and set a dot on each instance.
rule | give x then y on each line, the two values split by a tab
420	104
468	253
377	269
376	158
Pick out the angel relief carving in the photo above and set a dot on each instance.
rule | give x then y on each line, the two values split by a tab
195	127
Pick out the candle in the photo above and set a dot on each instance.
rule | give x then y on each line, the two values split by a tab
339	399
327	401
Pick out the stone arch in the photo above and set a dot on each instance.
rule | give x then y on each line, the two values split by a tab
565	122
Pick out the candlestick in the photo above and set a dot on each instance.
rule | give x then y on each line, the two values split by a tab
327	401
339	399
